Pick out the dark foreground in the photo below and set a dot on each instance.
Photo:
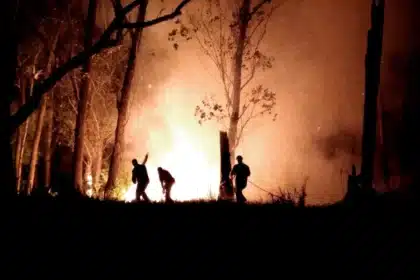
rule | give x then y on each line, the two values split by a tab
81	239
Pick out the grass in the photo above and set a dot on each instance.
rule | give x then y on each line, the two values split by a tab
75	238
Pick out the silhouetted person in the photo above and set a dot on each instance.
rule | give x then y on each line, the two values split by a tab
241	172
167	181
141	178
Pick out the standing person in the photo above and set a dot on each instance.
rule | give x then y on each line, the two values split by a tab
241	172
167	181
141	178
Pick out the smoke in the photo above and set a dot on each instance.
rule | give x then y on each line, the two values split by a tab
318	76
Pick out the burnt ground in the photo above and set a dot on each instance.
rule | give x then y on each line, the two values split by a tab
86	238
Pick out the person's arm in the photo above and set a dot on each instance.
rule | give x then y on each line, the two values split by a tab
146	157
233	172
161	180
133	177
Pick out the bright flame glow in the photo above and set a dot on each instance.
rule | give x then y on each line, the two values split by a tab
177	143
89	179
195	176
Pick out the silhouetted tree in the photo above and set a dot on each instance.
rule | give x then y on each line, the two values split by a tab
27	72
11	122
41	114
84	98
232	41
123	102
105	83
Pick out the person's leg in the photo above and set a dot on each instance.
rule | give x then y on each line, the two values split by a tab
145	197
243	197
168	192
240	198
138	192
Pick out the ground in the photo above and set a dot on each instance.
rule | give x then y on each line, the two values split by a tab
51	237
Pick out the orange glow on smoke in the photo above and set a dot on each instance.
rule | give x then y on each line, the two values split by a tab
186	149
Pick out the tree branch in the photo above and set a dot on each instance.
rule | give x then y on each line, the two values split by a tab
41	88
257	45
258	7
174	14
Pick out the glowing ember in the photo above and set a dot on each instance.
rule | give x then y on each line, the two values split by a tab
196	178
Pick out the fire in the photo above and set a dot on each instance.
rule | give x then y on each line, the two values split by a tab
177	143
196	176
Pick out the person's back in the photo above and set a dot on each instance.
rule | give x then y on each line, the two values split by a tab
165	176
140	173
141	178
167	181
241	172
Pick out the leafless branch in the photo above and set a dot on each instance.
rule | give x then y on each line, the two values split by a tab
42	88
174	14
258	7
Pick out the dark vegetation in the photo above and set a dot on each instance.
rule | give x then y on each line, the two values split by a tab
207	240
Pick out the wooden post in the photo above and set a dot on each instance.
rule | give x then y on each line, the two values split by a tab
226	189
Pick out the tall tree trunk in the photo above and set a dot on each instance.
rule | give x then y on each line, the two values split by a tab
84	99
27	91
48	143
225	188
18	147
35	146
40	121
21	154
97	167
243	20
123	103
21	135
20	132
372	81
7	81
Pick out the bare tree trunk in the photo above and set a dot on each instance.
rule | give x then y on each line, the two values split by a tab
226	189
79	132
372	82
35	146
40	121
21	136
25	132
18	148
123	103
48	144
97	167
21	154
20	132
7	81
243	19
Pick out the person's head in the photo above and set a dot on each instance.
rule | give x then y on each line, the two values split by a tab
134	162
159	170
239	159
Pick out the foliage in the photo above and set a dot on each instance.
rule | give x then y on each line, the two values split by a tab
214	27
106	78
291	197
